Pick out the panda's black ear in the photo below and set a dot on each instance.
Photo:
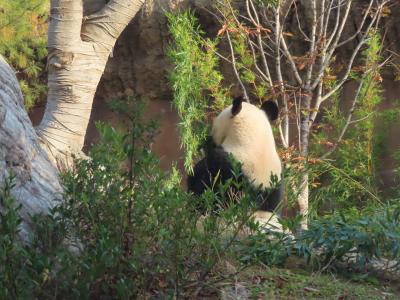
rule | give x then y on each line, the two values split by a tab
237	105
271	109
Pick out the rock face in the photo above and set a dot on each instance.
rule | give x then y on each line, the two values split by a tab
140	64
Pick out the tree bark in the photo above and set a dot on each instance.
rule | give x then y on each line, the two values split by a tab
79	48
37	184
304	141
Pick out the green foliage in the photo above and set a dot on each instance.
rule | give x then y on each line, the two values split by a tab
137	228
9	222
195	81
23	40
125	230
358	237
396	156
296	281
348	178
270	248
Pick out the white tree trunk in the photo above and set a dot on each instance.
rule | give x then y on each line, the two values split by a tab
79	48
37	183
302	200
78	51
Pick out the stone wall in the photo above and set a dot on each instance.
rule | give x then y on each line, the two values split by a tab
140	64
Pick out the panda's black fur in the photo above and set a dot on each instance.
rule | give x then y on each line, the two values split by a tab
216	167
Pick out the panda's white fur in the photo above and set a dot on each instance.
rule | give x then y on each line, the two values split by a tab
248	137
244	131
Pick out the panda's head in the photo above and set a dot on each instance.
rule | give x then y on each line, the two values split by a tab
244	131
243	122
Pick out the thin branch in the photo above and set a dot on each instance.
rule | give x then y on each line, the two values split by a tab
245	95
296	11
339	26
264	76
321	22
312	45
250	14
348	119
283	139
286	127
359	28
352	58
279	74
259	40
322	99
328	15
289	57
297	109
362	119
328	57
317	105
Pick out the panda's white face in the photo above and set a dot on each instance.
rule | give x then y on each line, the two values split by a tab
246	133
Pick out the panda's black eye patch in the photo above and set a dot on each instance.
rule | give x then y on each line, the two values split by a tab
237	105
271	109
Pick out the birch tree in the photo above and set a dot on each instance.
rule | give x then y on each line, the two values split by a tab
296	78
79	47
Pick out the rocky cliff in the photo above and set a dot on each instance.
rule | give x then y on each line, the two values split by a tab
139	64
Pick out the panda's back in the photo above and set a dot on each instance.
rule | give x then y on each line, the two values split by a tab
250	140
257	165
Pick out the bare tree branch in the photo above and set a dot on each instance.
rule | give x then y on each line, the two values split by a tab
245	95
348	119
330	51
278	70
312	49
296	11
317	105
256	22
360	27
289	57
362	41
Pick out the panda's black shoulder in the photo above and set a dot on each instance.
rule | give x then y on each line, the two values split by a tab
216	164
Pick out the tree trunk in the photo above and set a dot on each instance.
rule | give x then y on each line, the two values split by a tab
78	51
79	48
302	199
37	184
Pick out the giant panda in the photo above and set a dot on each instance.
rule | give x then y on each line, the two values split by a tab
244	131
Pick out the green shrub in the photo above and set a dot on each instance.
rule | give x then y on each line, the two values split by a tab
356	236
195	81
23	41
125	230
